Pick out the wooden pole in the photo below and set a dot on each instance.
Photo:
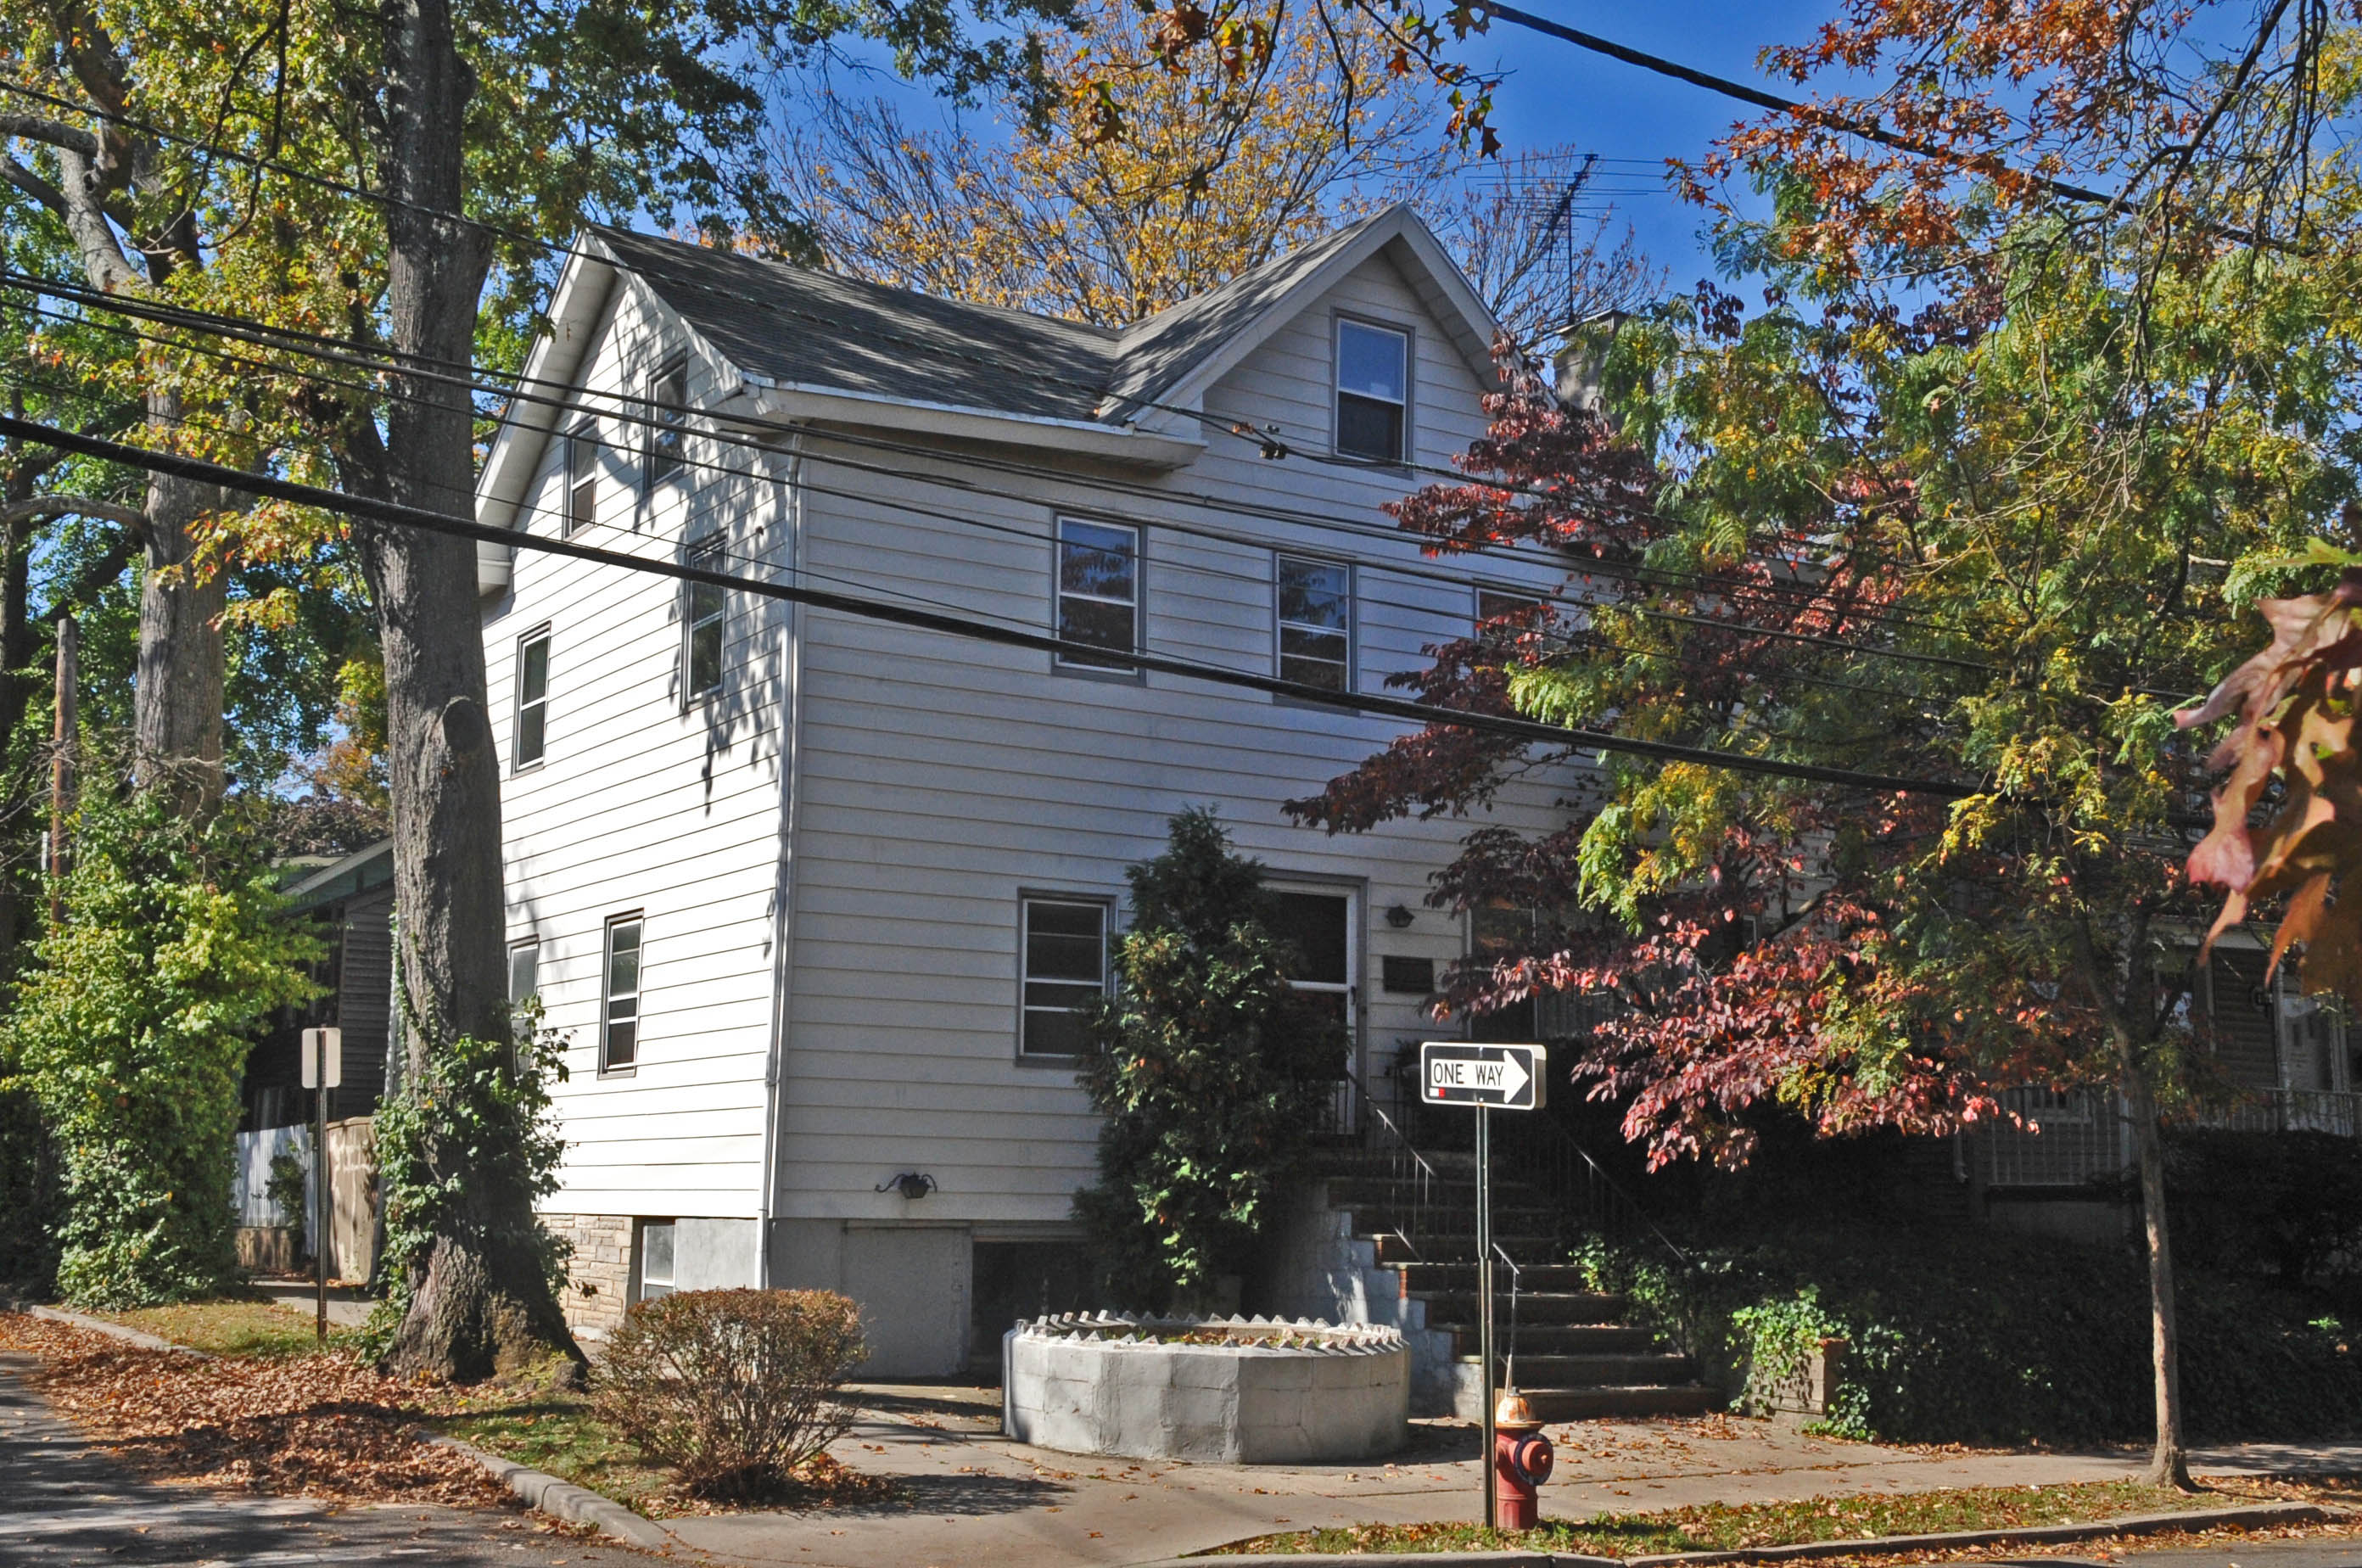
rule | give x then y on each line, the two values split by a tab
61	746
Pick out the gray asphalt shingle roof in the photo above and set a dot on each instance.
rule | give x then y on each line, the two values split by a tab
806	327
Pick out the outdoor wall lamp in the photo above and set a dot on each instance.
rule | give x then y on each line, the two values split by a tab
1399	916
912	1185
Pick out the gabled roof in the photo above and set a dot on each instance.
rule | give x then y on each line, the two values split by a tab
812	345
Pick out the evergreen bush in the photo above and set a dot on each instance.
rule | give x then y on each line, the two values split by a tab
733	1388
131	1029
1208	1068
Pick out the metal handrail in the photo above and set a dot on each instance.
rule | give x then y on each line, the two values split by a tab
1609	1208
1407	1167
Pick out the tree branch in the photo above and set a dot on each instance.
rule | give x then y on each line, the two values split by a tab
33	128
131	517
33	185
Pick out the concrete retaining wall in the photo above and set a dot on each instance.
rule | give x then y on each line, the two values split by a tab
1314	1266
1346	1395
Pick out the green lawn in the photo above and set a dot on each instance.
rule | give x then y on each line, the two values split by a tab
232	1326
1722	1527
561	1436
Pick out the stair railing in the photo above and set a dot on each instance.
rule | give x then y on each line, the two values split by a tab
1544	1153
1413	1184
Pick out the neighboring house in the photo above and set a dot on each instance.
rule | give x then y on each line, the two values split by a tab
349	901
816	899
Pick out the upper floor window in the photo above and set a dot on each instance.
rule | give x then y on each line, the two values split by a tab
1316	623
619	1032
581	477
1099	590
524	982
667	419
1065	971
531	696
1372	391
704	614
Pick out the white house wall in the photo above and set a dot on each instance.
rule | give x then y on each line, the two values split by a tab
644	805
941	777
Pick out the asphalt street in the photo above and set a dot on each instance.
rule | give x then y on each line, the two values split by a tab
62	1502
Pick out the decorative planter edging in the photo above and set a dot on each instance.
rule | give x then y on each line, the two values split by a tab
1225	1390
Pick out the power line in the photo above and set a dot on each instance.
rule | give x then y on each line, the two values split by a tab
641	410
396	514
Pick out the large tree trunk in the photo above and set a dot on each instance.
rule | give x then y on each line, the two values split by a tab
177	704
481	1304
2169	1463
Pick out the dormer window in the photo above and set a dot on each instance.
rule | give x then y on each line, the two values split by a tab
1372	391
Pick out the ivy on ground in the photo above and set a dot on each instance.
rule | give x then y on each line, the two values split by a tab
131	1031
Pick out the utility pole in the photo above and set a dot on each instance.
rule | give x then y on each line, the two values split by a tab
62	747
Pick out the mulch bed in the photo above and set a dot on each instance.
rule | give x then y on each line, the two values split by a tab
320	1425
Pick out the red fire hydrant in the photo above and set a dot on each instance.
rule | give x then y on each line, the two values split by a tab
1522	1458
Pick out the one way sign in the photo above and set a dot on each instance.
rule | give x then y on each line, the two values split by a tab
1506	1077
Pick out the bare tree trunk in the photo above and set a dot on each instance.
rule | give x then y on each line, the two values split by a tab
481	1304
2169	1463
177	703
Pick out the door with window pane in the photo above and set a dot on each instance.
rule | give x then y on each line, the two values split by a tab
1323	926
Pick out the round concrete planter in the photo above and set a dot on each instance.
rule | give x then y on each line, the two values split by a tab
1233	1390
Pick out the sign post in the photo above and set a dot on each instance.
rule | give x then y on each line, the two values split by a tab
1488	1078
323	1069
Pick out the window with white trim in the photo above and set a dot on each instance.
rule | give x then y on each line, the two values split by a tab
1372	391
668	420
1063	944
655	1258
619	1024
705	613
1316	622
524	982
581	477
1099	590
532	736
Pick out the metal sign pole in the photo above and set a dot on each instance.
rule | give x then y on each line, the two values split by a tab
1484	1301
320	1179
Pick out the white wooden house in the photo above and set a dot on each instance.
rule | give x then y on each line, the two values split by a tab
811	896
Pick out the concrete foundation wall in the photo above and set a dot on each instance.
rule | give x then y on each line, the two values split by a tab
1314	1266
911	1282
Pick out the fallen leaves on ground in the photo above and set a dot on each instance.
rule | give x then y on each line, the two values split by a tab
320	1425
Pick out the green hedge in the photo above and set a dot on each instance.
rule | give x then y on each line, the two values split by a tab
1985	1336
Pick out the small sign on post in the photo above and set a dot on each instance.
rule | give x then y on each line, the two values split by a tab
323	1069
1485	1079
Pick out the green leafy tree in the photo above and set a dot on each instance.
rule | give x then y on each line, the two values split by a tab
132	1030
1210	1068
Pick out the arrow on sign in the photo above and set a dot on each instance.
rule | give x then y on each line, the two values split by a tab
1508	1077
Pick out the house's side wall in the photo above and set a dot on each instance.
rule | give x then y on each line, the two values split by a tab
941	780
649	804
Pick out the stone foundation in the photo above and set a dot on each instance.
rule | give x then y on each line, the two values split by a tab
1258	1391
599	1274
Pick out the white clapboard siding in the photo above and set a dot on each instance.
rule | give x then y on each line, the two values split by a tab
643	805
939	778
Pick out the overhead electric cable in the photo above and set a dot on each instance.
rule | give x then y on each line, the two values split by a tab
396	514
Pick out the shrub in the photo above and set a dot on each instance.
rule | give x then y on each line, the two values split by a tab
2288	1203
285	1190
132	1029
733	1388
1207	1066
1986	1336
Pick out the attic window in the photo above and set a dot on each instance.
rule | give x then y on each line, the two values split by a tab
1372	391
667	419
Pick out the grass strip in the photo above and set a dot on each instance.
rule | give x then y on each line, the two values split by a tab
235	1326
1724	1526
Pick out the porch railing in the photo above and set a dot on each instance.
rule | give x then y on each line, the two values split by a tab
2289	1111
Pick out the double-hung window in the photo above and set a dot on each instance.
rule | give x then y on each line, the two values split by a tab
703	614
1316	623
1372	391
524	982
1098	592
1064	945
532	697
581	477
668	420
619	1028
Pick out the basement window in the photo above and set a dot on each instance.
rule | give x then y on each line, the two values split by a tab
656	1259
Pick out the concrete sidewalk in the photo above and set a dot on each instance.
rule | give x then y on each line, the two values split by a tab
973	1498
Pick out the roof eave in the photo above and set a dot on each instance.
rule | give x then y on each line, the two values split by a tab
1129	446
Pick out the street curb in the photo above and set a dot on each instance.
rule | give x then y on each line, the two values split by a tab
543	1492
563	1499
139	1337
2251	1515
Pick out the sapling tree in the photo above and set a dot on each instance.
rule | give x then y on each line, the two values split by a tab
1208	1067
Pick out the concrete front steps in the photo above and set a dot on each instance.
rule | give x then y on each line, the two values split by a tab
1576	1356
